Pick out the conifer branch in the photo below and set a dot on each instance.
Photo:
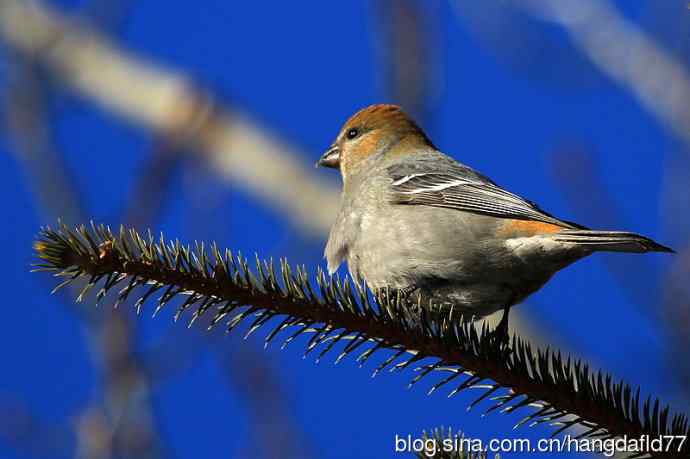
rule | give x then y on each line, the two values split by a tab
446	444
549	387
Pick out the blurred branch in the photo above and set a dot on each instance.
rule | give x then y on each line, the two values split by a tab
31	436
169	104
558	390
410	55
123	425
627	54
153	183
46	173
250	376
260	385
125	412
576	170
249	372
119	424
675	309
517	41
106	15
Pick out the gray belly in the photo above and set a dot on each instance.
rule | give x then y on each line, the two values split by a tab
456	260
397	245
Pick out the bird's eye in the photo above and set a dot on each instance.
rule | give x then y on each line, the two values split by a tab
352	133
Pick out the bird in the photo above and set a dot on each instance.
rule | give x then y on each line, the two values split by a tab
415	220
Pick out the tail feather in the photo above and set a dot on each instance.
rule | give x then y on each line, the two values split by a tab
611	241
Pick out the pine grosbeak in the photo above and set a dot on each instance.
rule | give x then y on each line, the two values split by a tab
414	219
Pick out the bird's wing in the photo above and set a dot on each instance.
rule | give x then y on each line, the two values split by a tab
464	189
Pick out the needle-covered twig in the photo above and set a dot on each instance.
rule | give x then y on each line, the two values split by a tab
547	386
446	444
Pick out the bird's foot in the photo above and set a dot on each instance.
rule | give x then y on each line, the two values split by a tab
402	294
407	291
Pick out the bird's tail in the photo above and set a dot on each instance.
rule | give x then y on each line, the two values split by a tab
610	241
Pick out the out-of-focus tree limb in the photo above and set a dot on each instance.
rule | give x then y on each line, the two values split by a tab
46	173
181	117
625	53
30	435
169	104
576	170
120	423
251	376
517	41
409	55
154	180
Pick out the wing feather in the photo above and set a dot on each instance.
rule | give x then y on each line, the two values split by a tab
467	192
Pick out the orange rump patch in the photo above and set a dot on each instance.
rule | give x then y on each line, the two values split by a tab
517	228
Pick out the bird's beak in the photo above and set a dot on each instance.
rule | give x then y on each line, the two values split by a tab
331	158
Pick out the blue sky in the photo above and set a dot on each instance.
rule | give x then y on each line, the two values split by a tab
520	114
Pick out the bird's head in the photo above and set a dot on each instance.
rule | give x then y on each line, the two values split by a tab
371	134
